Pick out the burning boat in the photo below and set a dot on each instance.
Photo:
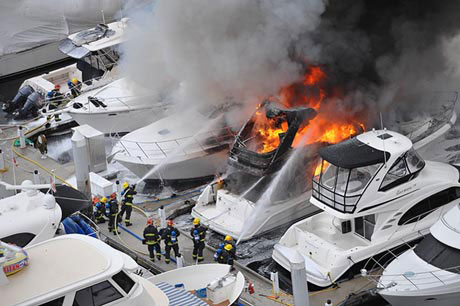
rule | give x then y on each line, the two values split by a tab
271	162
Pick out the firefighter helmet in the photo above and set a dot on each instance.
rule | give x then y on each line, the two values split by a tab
196	221
149	221
228	247
228	238
104	200
170	222
125	185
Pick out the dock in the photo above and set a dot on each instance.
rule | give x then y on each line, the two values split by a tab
20	164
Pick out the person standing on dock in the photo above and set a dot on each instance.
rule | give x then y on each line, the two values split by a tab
152	239
170	235
128	196
226	256
99	210
198	234
75	87
112	212
42	145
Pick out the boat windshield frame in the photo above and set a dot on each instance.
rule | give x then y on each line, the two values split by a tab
347	188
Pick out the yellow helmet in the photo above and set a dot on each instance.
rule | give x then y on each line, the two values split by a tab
196	221
104	200
228	238
75	80
125	185
228	247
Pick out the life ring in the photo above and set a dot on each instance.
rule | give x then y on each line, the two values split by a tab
16	264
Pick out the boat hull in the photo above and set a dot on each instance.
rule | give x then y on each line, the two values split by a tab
228	214
118	121
194	167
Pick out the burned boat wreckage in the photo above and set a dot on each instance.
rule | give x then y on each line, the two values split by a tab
263	190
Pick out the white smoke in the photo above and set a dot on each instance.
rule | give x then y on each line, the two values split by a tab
220	50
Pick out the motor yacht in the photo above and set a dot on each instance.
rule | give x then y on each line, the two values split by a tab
101	275
181	148
205	276
246	204
34	215
31	31
78	270
97	54
119	107
428	274
376	193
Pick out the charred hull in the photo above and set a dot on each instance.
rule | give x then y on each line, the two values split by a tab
260	164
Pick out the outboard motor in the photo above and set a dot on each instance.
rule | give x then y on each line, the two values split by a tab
33	104
19	99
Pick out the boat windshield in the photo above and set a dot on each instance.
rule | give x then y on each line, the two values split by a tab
341	188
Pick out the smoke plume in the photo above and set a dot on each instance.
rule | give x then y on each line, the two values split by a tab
383	55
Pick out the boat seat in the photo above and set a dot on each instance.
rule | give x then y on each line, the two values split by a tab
179	297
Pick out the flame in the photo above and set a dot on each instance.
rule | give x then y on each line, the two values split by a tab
330	125
318	168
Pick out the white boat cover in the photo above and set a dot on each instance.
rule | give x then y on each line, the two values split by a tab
179	297
26	24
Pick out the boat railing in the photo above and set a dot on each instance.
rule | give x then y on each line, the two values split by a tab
448	101
203	141
378	263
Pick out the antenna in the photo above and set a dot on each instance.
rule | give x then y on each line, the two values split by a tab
103	17
383	141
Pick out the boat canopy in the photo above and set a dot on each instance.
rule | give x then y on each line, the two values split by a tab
353	153
438	254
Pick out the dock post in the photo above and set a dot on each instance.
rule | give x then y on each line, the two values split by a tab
36	177
2	160
22	138
161	213
275	281
179	261
117	183
82	166
299	280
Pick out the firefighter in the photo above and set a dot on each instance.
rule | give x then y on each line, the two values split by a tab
198	234
55	99
170	235
75	87
152	239
111	209
127	206
42	145
99	210
226	256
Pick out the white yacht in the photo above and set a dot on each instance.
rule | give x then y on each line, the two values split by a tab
101	275
31	31
97	54
377	193
119	107
247	204
428	274
33	216
182	147
78	270
222	285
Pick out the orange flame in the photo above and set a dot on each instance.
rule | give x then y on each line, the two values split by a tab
328	126
318	168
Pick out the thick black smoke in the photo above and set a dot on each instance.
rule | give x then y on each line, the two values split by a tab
390	54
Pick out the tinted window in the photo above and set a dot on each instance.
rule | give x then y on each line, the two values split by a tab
56	302
365	226
21	239
438	254
397	171
425	207
124	281
97	295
